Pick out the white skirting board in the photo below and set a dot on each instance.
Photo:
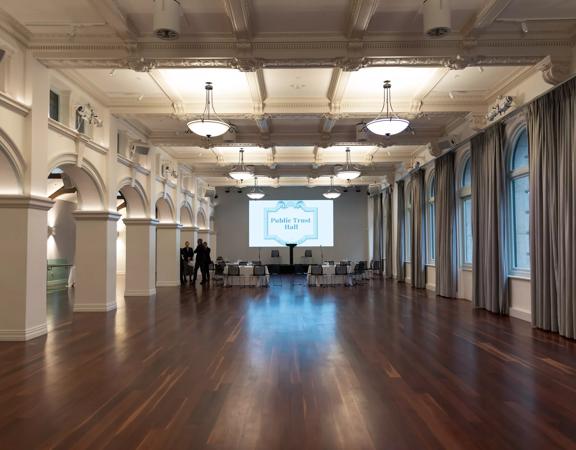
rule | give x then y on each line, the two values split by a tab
23	335
167	283
140	293
94	307
521	314
431	287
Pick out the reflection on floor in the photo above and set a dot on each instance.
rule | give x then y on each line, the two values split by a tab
375	366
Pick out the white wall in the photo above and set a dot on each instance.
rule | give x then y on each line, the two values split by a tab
350	225
62	244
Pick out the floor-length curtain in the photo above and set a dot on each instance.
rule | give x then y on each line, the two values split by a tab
446	253
378	229
400	275
552	137
489	259
387	208
418	230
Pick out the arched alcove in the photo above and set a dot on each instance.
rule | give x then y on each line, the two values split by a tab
165	209
135	197
11	167
201	221
186	215
86	179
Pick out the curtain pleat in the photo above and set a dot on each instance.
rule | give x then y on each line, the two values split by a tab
388	231
446	250
418	230
400	275
489	261
552	136
377	251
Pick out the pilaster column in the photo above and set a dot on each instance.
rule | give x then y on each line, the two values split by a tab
213	244
168	254
189	234
140	257
95	286
23	237
204	235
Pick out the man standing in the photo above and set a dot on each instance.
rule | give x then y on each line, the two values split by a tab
186	257
208	261
200	253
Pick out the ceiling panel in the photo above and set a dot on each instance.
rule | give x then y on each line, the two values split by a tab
122	82
475	79
229	84
367	83
54	11
299	83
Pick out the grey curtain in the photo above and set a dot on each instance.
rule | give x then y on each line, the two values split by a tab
446	253
418	230
400	275
388	231
378	229
489	260
552	137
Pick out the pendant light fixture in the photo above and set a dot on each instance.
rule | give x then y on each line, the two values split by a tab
348	172
241	172
256	193
332	193
389	123
208	125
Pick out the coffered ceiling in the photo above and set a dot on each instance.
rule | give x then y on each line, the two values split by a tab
295	78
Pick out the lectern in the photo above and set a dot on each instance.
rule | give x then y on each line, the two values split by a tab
291	247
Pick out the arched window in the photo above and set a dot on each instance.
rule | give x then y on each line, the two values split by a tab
466	213
519	205
408	222
431	218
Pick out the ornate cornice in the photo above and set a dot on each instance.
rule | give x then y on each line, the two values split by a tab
97	216
140	222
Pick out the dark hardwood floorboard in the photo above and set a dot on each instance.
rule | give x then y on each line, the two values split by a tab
378	366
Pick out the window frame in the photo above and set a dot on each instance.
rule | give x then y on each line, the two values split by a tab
431	219
511	176
54	94
464	193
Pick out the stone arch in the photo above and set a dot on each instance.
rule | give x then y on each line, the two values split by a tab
86	179
165	208
201	221
137	204
12	166
186	214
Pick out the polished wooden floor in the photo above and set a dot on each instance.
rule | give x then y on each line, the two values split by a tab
379	366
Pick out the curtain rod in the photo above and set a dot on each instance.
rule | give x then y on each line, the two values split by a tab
513	113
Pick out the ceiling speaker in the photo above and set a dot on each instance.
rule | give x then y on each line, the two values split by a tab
166	22
437	18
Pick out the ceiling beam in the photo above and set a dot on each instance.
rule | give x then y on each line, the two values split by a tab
257	87
238	12
486	16
115	18
361	13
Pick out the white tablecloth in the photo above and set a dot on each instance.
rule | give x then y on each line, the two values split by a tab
329	277
246	277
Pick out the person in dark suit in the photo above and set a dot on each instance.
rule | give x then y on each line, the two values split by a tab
208	261
200	252
186	257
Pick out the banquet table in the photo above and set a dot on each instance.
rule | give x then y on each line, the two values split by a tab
329	276
247	277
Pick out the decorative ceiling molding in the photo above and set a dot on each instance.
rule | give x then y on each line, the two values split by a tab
554	71
238	11
361	13
115	18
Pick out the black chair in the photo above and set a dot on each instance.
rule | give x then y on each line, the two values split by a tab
259	270
233	271
242	263
256	263
344	263
375	268
341	269
330	263
316	269
275	254
307	253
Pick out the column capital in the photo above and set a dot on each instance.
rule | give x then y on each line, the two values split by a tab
140	221
169	226
25	202
190	228
97	216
